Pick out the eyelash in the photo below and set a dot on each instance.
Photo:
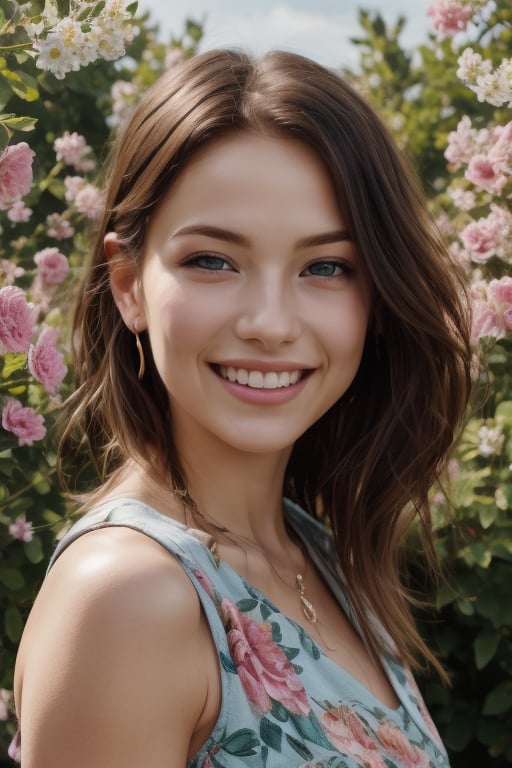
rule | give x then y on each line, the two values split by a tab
346	268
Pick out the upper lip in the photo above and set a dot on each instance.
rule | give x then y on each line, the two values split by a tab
265	365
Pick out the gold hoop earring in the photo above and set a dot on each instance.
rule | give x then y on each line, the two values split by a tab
142	362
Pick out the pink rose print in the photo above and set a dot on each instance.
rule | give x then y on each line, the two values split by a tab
264	670
17	318
15	173
400	748
23	422
347	733
52	265
422	707
204	582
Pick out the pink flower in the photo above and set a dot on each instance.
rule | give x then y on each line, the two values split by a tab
21	530
484	322
484	174
17	318
9	271
59	227
449	16
264	670
52	264
18	213
23	422
73	185
399	746
71	149
500	153
14	750
46	365
488	236
460	143
89	201
15	173
348	734
499	294
5	700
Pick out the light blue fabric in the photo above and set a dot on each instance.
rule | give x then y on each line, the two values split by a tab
285	704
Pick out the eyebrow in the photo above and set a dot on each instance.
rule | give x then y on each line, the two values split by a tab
218	233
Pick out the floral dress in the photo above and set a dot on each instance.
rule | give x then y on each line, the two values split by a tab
285	703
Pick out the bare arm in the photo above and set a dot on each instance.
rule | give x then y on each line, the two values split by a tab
115	664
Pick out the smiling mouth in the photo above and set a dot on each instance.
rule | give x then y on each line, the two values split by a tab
260	379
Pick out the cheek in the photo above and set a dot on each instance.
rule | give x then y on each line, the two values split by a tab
179	326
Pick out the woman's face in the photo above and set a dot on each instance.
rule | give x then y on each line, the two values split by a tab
253	295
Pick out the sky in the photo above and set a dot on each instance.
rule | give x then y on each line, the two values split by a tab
320	29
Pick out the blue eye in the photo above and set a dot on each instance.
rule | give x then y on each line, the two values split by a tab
209	261
328	269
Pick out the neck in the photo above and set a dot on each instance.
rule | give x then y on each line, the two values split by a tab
240	492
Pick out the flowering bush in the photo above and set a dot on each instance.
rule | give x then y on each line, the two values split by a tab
49	201
449	107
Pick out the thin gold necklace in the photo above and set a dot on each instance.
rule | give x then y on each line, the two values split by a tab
307	606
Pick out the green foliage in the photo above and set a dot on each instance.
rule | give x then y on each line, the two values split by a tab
38	108
422	100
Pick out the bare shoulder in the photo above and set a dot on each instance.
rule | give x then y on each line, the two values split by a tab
115	649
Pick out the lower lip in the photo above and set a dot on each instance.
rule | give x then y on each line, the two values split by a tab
257	396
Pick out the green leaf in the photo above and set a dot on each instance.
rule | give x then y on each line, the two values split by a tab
276	632
241	743
290	653
279	712
11	578
309	646
13	361
34	550
30	90
300	748
499	700
20	123
487	515
227	663
246	605
310	729
13	623
4	137
485	646
503	412
271	734
97	9
265	611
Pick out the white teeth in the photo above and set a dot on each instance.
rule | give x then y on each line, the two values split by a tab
256	380
259	379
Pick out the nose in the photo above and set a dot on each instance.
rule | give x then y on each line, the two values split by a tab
269	313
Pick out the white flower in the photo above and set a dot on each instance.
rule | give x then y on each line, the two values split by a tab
471	65
491	441
56	57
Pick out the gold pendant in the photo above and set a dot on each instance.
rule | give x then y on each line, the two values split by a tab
307	607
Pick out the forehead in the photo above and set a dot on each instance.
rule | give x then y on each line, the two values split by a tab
251	178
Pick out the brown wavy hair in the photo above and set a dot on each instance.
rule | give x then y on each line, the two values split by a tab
369	462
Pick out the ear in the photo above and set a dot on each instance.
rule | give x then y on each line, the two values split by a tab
124	284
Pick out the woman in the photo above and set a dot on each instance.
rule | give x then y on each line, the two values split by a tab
268	312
